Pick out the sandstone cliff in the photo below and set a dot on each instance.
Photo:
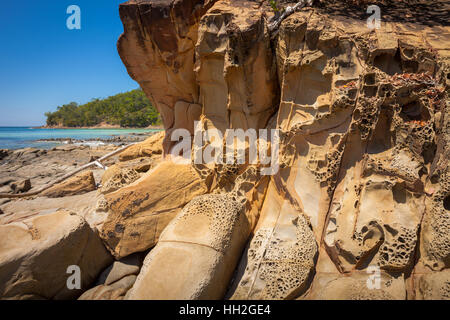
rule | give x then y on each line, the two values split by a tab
364	127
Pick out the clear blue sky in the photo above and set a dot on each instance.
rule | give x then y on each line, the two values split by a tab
43	64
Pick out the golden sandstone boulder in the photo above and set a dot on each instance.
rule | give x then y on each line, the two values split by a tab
78	184
138	213
197	252
35	256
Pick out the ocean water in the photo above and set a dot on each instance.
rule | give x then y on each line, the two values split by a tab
23	137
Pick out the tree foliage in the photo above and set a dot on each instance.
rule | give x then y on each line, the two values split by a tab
129	109
273	4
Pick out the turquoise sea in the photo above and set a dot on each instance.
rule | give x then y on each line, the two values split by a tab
23	137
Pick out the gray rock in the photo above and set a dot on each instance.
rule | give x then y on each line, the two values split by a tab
115	291
5	189
129	265
6	181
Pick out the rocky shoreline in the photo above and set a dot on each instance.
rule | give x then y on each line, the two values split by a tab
68	216
28	169
114	139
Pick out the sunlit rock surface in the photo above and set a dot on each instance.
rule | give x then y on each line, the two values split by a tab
359	208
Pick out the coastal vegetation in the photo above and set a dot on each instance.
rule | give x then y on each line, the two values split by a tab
129	109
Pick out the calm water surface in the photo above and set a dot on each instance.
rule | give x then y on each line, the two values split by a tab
23	137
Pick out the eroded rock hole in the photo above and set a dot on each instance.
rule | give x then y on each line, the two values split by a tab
388	63
370	91
447	202
382	136
408	53
369	79
410	66
399	193
414	111
429	152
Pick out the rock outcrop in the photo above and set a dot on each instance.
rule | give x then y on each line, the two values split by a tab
362	114
147	148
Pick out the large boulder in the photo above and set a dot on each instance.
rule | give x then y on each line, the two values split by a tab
139	212
78	184
35	255
197	253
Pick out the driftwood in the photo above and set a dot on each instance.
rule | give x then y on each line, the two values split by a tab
88	165
287	12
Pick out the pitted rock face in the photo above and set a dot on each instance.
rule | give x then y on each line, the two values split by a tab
280	256
434	286
363	119
119	178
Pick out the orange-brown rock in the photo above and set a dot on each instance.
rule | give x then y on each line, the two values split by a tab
161	35
78	184
139	212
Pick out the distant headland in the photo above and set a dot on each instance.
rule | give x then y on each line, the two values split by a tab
130	109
